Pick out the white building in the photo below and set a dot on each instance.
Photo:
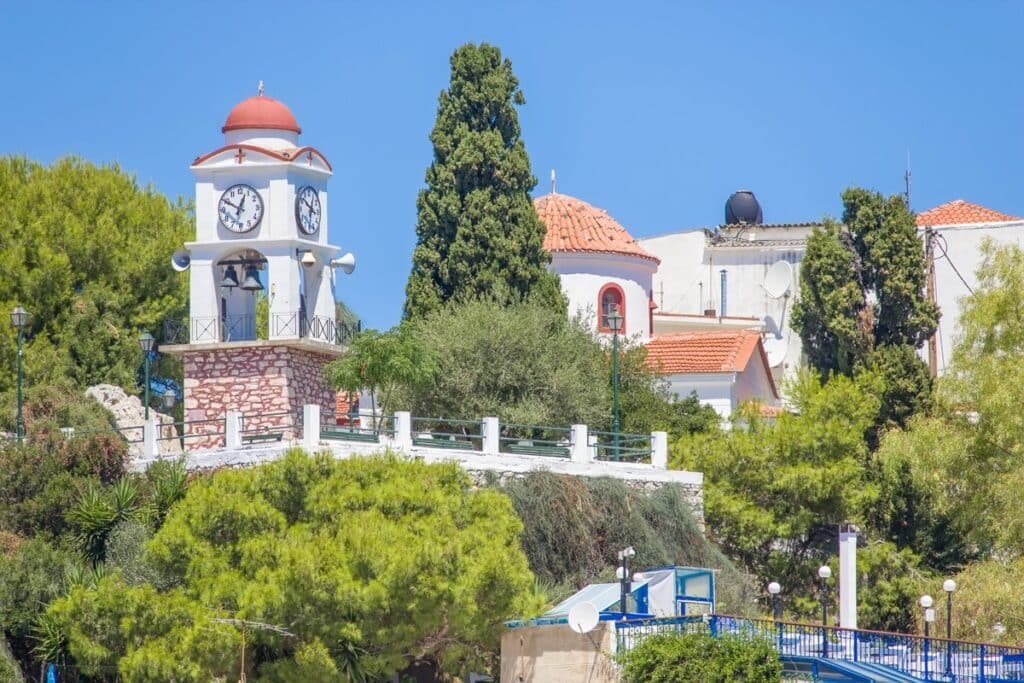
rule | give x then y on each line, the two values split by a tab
602	267
739	277
959	228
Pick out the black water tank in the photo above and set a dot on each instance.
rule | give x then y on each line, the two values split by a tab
742	207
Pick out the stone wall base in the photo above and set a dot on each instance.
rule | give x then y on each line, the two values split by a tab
267	383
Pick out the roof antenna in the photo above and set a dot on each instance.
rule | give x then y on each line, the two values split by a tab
552	181
906	180
259	89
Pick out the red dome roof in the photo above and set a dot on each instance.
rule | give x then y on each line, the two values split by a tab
261	112
574	225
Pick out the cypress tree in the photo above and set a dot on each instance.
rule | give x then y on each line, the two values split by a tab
478	234
862	300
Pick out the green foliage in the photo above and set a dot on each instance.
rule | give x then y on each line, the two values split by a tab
987	593
9	671
54	405
384	363
30	577
862	302
774	493
699	658
961	467
85	250
98	511
477	231
40	480
373	563
890	582
646	402
524	363
574	528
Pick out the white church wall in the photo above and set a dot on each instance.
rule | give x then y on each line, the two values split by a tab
583	275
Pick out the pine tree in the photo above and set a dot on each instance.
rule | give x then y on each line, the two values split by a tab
862	301
478	234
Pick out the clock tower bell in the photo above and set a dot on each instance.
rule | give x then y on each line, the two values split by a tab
261	321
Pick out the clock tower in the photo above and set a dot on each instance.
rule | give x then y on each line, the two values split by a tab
261	323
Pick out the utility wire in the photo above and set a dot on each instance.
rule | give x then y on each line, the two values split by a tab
942	247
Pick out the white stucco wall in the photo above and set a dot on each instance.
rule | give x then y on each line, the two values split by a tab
583	275
713	389
963	244
689	281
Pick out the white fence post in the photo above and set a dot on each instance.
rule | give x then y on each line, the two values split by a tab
233	429
150	432
492	436
403	430
659	450
580	445
311	426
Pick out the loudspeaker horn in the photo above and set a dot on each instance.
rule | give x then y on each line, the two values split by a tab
347	263
181	260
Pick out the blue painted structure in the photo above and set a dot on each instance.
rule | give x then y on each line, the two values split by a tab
836	654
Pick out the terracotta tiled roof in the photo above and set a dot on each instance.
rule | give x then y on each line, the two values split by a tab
343	403
574	225
959	212
707	352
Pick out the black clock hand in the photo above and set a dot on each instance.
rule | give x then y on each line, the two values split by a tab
230	204
241	205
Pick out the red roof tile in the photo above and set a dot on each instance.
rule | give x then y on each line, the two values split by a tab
574	225
959	212
707	352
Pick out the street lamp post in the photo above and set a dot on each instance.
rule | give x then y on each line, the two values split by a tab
19	319
926	604
623	574
929	616
615	322
824	573
147	342
168	399
774	589
949	585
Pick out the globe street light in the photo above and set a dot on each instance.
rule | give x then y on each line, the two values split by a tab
926	604
774	589
949	585
147	342
19	319
615	322
929	617
824	573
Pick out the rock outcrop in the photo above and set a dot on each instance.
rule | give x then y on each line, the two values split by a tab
129	415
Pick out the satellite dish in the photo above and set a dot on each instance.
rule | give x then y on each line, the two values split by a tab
778	279
347	263
181	260
583	617
775	348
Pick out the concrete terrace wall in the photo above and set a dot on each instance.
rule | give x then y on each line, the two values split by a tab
481	467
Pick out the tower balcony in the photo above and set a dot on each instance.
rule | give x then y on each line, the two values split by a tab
283	326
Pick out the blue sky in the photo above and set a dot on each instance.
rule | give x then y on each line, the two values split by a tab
653	111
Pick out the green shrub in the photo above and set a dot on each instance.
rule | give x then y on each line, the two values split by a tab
574	528
699	658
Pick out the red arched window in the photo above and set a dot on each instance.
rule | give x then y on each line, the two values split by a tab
609	299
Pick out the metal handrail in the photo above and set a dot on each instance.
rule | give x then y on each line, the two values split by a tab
931	658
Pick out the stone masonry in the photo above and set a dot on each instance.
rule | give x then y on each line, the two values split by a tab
267	383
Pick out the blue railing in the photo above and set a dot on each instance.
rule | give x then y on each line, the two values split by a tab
927	659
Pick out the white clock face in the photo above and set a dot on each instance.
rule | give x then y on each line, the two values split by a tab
240	208
307	209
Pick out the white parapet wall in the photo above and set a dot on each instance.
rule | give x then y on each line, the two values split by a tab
483	467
